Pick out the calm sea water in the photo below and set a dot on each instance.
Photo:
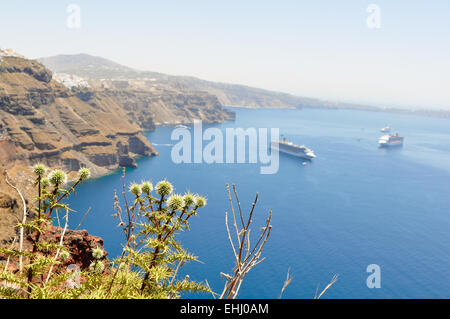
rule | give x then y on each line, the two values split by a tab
353	206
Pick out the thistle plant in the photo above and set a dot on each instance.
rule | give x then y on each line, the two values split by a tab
152	257
97	266
40	262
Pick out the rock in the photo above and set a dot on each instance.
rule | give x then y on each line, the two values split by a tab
127	161
79	243
7	201
147	107
84	94
69	129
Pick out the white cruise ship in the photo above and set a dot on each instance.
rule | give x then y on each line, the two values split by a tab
386	129
293	149
391	140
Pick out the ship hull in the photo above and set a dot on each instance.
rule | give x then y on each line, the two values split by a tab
386	145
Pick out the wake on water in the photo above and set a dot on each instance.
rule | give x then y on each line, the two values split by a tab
155	144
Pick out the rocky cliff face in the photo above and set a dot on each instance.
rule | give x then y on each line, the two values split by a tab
42	121
149	108
79	242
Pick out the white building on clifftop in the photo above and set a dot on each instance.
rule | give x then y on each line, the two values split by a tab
10	52
70	81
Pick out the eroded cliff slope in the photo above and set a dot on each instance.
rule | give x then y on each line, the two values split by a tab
41	120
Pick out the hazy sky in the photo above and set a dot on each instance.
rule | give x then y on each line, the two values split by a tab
313	48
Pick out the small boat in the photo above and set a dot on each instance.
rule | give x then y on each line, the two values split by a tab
386	129
181	126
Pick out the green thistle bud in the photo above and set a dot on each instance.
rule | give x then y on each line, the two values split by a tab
97	267
189	199
146	187
57	177
64	255
45	182
84	173
200	201
39	169
164	188
98	253
175	202
135	189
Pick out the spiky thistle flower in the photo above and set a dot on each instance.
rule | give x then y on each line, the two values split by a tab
98	253
39	170
175	202
200	201
189	199
122	267
135	189
57	177
84	173
97	267
146	187
164	188
64	255
45	182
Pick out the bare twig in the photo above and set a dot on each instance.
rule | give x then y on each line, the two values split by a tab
63	232
9	257
287	282
84	217
245	257
333	280
234	215
24	220
239	205
180	264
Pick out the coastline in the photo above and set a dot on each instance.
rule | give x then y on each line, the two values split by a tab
433	113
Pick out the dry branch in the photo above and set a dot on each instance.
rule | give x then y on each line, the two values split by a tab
246	257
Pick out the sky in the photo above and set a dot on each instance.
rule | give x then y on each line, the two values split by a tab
316	48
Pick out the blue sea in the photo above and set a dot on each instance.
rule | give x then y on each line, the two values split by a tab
353	206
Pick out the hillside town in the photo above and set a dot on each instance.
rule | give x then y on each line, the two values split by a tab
70	81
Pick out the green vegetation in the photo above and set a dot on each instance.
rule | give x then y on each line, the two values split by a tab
147	268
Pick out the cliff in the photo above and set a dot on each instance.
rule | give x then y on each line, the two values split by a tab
43	121
149	108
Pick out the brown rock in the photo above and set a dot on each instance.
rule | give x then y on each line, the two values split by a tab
45	122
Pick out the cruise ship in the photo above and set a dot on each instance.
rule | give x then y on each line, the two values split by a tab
293	149
386	129
391	140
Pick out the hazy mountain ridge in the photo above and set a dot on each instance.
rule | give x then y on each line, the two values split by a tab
99	70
